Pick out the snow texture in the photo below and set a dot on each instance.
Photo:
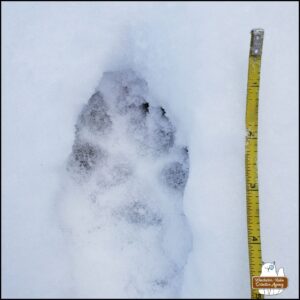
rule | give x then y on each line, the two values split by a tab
117	206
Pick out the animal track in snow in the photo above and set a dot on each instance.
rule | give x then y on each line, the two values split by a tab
122	205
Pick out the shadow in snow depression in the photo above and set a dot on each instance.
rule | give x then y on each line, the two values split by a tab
122	207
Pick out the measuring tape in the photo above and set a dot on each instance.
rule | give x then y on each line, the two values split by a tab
254	242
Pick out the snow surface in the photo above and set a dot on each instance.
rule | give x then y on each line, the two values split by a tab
194	59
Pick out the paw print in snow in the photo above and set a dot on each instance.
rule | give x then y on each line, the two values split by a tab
129	175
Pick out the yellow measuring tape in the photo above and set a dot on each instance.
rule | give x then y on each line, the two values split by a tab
254	242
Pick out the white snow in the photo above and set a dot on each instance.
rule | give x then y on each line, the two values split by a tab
194	57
